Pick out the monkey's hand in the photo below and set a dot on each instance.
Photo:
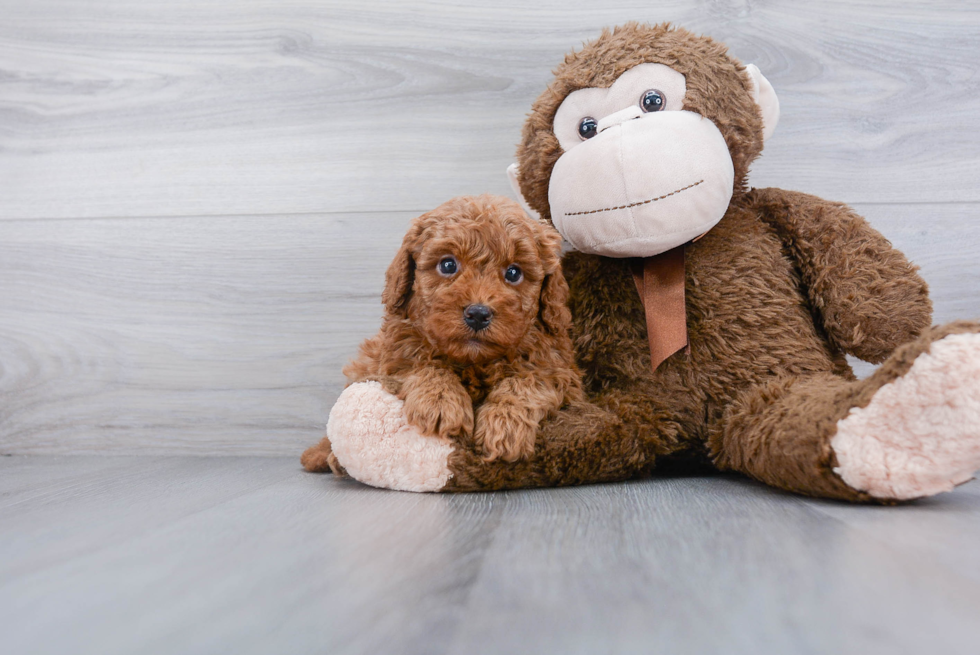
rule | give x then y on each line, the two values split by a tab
437	404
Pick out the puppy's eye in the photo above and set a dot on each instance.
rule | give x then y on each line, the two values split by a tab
447	266
588	127
653	100
513	274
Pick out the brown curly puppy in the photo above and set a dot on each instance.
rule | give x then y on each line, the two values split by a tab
475	329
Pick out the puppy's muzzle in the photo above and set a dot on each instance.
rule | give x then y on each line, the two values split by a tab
478	317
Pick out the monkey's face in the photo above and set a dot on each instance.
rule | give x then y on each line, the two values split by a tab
641	140
638	175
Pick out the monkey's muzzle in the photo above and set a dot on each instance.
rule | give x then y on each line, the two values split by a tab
643	185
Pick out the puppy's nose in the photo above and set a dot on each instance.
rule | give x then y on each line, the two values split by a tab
477	316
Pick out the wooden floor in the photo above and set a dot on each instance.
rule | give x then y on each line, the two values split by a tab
251	555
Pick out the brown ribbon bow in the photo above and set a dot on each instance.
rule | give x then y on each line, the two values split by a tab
660	281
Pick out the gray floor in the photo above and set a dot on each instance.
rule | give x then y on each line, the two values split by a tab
251	555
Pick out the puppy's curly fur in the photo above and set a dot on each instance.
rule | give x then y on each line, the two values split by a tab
494	384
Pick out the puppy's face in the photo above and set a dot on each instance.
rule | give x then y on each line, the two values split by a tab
478	266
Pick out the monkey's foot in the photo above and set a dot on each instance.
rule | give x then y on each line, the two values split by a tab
920	434
377	446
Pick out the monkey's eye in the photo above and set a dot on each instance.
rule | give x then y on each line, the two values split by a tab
448	266
652	100
513	274
588	127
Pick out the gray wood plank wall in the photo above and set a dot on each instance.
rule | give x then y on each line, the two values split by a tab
198	200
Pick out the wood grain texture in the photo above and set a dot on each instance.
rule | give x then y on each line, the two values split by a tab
204	555
183	335
703	566
117	108
934	520
227	335
134	496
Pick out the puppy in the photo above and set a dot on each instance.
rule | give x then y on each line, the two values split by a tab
474	338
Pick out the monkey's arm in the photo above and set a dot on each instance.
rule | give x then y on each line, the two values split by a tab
867	295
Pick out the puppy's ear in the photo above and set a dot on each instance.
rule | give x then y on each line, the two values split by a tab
553	307
549	246
554	304
400	275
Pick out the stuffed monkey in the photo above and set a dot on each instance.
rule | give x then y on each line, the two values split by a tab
711	320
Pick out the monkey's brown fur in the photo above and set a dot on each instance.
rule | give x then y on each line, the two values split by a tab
513	374
777	293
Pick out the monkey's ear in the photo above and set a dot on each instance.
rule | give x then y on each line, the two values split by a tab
512	173
764	96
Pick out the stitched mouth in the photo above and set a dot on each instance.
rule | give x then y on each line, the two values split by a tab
636	204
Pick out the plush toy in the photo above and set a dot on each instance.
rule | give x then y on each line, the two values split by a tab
710	320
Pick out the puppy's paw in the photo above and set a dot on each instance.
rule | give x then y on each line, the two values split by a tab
320	459
505	431
335	466
439	412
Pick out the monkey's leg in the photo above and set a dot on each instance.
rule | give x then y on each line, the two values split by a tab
910	430
582	444
616	437
377	446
